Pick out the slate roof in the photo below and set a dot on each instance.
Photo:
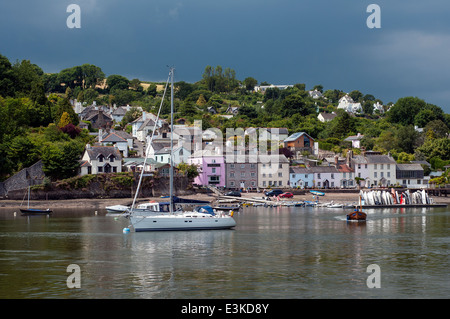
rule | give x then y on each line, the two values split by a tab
106	151
295	136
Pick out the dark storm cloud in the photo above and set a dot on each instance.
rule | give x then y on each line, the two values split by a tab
282	42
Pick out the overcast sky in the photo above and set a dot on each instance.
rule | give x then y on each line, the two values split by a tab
323	42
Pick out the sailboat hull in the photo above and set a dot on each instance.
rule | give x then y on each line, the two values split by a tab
192	221
34	211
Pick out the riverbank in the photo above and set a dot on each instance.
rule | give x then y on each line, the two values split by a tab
100	204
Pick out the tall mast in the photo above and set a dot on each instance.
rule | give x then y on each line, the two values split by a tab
171	140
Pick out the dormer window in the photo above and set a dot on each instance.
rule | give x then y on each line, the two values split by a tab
111	158
100	158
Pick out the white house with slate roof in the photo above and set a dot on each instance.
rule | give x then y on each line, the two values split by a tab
101	159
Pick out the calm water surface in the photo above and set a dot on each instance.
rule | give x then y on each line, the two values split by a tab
287	252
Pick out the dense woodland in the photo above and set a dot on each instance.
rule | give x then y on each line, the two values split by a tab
38	121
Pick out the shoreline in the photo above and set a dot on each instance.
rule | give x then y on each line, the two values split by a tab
342	198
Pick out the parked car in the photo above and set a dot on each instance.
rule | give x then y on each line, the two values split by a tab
287	195
274	192
233	193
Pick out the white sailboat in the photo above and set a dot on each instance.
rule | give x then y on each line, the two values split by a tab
176	220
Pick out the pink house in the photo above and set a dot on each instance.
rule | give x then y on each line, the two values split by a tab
211	168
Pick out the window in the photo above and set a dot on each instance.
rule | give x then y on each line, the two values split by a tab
111	159
375	174
389	166
264	184
345	175
100	158
231	174
264	175
213	170
100	169
280	174
242	165
253	174
253	183
332	176
252	166
280	165
332	184
231	184
381	166
382	174
114	169
270	175
375	166
318	176
279	183
242	174
231	165
388	174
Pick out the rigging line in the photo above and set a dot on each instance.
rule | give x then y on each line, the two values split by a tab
148	147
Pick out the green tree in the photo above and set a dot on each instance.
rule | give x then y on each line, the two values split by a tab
295	104
91	76
7	77
152	90
405	110
250	83
117	82
61	160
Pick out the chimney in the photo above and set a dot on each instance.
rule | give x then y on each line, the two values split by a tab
144	115
100	135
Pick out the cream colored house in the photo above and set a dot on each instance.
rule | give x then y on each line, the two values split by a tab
273	170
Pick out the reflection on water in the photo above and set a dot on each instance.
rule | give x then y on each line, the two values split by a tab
285	252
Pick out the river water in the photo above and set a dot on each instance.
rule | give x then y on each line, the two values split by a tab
286	252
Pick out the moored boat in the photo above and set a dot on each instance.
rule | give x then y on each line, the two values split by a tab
357	215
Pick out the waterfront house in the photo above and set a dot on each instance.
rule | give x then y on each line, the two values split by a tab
241	174
326	176
300	177
101	159
411	176
273	170
211	167
361	168
347	176
382	170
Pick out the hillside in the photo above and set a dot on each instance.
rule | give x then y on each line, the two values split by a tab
39	121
